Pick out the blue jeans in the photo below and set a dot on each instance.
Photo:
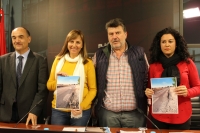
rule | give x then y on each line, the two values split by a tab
124	119
64	118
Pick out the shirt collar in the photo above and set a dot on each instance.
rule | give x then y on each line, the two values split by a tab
24	54
123	52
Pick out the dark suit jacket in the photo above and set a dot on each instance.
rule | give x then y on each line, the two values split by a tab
32	86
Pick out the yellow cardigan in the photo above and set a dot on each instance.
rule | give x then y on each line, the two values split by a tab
90	88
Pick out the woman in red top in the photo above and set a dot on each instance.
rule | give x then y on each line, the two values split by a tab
169	57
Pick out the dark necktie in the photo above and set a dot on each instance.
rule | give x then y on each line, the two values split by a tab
19	69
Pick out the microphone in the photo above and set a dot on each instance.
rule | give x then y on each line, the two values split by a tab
28	113
148	119
46	120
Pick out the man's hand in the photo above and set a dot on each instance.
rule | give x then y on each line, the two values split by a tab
33	119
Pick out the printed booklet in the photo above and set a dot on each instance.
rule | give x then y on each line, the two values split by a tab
67	92
164	100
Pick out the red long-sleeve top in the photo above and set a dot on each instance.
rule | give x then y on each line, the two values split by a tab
190	78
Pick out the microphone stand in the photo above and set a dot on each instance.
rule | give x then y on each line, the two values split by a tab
92	108
148	119
88	121
28	113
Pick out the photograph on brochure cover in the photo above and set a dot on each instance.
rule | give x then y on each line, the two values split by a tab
68	92
164	99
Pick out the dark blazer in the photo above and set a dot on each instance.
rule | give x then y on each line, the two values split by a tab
32	86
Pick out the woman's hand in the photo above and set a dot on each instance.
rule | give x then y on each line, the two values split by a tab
62	74
181	90
149	92
76	112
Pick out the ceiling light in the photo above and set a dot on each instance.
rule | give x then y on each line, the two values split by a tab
192	12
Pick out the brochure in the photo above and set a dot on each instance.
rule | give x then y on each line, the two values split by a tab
67	92
164	100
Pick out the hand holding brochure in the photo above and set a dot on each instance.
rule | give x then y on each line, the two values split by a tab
67	92
164	100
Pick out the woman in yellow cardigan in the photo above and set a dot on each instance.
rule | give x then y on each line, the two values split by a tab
72	61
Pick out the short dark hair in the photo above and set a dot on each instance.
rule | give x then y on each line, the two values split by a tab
115	23
27	31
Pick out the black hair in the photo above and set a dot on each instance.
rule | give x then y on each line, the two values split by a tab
181	45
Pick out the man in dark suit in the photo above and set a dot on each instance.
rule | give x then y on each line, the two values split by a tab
22	86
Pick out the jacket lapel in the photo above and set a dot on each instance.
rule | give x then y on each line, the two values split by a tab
13	67
27	67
